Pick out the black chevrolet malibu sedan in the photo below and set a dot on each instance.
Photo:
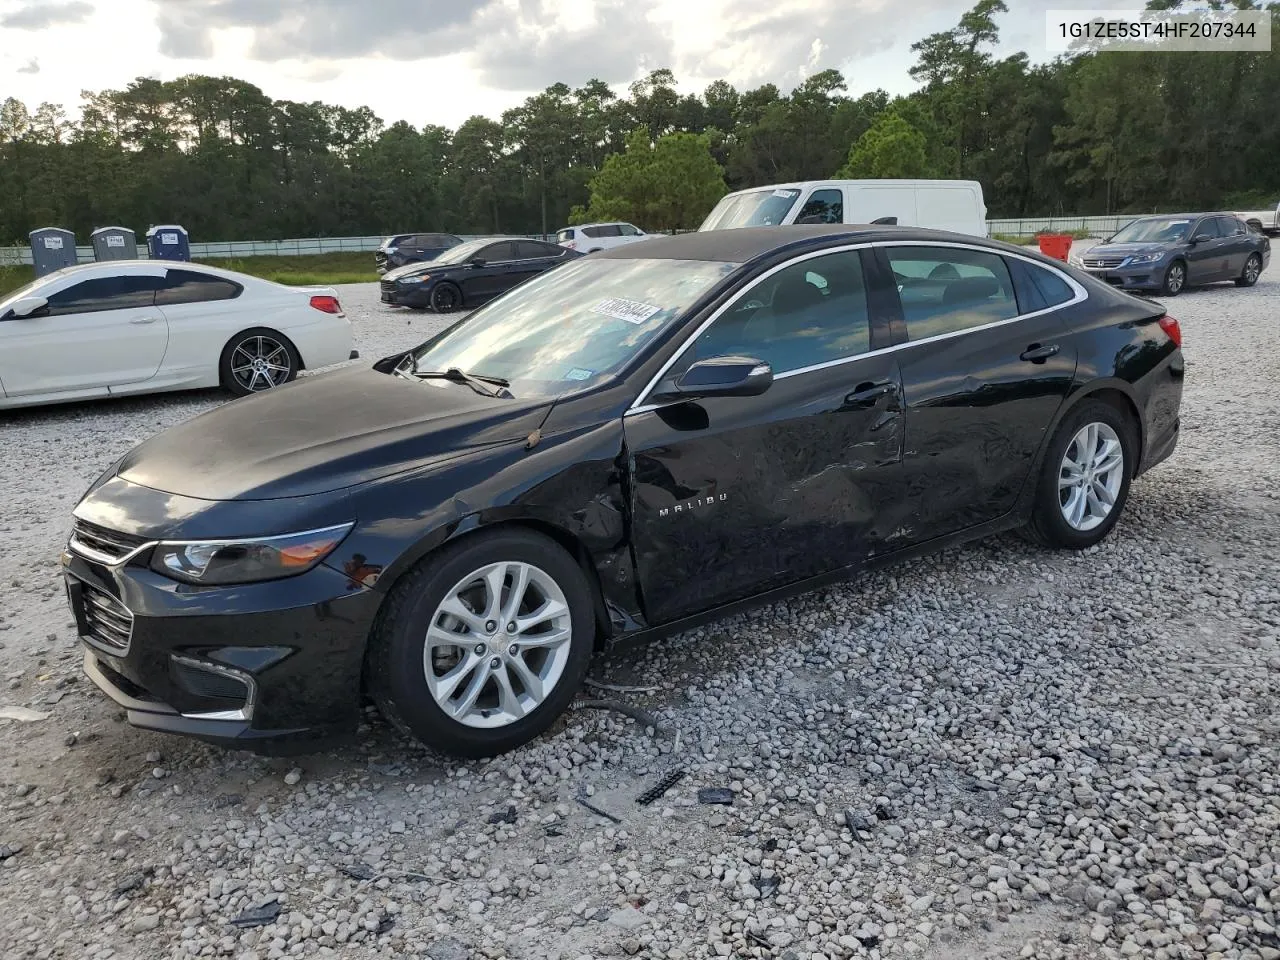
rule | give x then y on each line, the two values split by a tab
628	444
471	273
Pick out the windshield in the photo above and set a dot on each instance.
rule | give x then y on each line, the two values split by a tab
463	251
759	208
572	326
1155	230
28	289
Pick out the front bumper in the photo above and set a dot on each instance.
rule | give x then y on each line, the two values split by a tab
396	295
1140	276
272	667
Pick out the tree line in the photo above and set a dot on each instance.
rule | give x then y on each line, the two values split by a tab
1092	133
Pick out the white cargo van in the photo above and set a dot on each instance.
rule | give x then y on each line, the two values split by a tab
941	204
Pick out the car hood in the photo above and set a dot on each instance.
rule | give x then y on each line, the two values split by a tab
323	433
419	266
1126	249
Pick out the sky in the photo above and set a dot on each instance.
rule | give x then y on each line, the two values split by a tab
441	61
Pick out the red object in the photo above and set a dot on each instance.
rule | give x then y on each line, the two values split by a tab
1056	245
1171	327
326	304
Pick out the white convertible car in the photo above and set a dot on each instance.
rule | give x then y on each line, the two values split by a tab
141	326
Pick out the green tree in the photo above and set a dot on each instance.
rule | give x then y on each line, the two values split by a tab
668	185
890	148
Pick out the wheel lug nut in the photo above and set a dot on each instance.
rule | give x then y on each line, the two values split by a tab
480	648
513	649
490	626
495	663
511	627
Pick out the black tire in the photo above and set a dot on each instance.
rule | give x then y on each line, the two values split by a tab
395	664
256	341
1048	526
1249	275
445	297
1175	279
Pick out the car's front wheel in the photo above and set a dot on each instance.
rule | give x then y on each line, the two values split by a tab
445	298
256	360
1252	269
1175	279
1084	481
481	646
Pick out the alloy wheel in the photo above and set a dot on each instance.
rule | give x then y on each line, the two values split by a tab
1090	476
260	362
1252	268
1176	278
497	644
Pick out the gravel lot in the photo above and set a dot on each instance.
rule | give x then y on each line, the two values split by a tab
993	752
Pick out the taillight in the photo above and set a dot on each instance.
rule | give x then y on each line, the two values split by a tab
570	244
1172	329
326	304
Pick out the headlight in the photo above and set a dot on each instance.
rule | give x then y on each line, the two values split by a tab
414	278
249	560
1147	257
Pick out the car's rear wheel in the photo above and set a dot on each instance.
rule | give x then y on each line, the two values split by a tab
1252	269
256	360
480	647
1084	481
445	298
1175	279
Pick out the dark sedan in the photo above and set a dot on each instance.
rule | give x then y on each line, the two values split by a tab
1169	253
635	442
471	273
405	248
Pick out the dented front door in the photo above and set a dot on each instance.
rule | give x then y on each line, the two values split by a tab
731	496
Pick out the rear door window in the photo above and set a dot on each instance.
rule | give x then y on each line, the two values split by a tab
948	289
592	232
104	293
823	206
533	250
191	286
498	252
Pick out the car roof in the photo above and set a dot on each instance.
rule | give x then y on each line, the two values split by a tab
601	223
747	243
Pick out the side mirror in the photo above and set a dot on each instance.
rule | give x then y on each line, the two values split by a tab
476	262
1200	238
721	377
28	306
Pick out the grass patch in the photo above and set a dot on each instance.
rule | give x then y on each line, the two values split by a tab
318	270
11	278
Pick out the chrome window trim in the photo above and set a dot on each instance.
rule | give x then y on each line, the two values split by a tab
1080	294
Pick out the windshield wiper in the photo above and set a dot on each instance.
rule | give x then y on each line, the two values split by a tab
477	382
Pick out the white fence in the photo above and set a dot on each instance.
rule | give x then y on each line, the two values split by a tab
1024	227
12	256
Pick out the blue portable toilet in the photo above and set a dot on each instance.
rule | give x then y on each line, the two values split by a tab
168	243
52	248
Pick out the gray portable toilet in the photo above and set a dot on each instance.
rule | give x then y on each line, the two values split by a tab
168	243
52	248
114	243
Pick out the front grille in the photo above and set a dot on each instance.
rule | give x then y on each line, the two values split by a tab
1103	262
108	621
95	542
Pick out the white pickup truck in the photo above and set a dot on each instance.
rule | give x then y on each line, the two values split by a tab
1264	221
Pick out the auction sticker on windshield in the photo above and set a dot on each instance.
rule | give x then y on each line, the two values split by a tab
631	311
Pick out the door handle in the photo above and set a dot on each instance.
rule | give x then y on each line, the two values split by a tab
867	394
140	320
1039	353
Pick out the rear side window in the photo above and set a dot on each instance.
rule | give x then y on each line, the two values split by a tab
611	230
532	250
188	286
824	206
104	293
1053	290
592	232
946	290
498	252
